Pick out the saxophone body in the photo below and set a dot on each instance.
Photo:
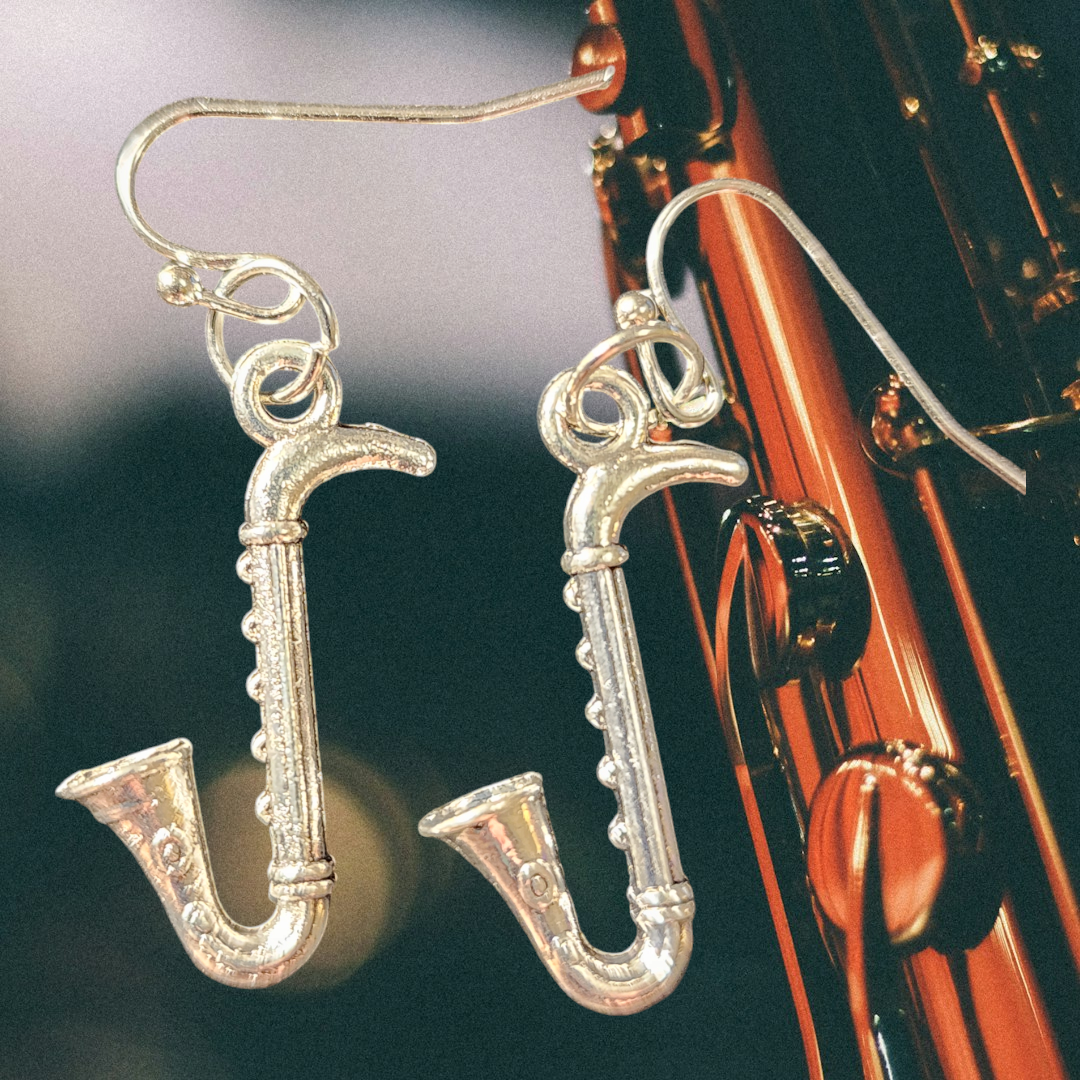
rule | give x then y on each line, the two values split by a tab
149	799
952	962
504	830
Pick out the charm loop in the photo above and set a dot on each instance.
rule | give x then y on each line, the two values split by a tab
249	402
675	405
563	436
696	399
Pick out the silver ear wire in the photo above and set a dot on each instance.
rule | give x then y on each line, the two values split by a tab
154	126
949	426
179	284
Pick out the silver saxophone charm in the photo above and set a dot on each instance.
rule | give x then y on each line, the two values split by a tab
504	829
150	800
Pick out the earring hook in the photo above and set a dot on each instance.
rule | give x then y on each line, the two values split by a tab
155	125
179	284
949	426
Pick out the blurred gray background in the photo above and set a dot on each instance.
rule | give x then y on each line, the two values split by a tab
445	251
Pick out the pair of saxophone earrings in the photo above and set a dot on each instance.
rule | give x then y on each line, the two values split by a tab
149	799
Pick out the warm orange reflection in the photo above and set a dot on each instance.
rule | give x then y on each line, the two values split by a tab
370	834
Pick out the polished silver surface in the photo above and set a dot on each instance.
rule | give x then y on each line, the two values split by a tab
504	829
149	799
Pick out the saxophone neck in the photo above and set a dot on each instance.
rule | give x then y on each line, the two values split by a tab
290	469
624	467
605	493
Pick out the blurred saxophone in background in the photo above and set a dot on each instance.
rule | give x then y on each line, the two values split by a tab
902	770
955	963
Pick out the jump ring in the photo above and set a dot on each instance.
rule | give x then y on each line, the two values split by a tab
685	405
671	404
299	283
563	437
249	402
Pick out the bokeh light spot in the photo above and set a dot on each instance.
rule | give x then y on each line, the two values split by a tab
369	833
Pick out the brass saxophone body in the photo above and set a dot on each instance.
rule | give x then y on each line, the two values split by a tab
846	706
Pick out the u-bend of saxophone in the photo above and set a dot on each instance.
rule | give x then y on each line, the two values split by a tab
504	829
150	800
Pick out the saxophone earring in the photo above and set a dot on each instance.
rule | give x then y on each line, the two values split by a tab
504	829
149	799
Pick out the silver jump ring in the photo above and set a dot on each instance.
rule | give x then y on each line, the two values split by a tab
638	337
249	402
293	302
301	285
696	400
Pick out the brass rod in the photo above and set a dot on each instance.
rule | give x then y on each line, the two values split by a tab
1001	711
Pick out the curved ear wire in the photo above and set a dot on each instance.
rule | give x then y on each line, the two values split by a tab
178	283
155	125
949	426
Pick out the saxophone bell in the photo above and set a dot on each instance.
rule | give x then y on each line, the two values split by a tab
505	831
149	800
